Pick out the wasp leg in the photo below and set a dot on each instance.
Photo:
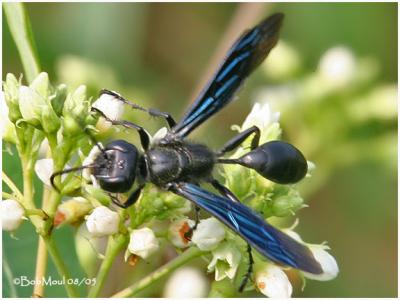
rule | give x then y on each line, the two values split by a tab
188	234
247	276
223	190
144	137
151	111
131	200
238	139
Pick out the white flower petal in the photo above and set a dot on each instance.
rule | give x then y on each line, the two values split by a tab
111	106
143	242
208	234
102	221
159	135
177	230
94	152
44	168
225	261
327	262
186	282
12	214
261	116
273	282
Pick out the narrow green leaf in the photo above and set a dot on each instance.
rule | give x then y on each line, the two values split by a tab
18	22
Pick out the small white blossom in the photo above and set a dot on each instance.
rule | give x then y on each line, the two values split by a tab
328	263
102	221
186	282
261	116
44	168
273	282
208	234
12	214
337	66
177	230
110	106
143	242
7	129
225	261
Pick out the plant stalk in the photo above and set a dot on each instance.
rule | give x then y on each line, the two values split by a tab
159	273
113	248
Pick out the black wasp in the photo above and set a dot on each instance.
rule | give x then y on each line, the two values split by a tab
179	166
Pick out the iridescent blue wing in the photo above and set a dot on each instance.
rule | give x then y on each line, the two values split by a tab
244	56
266	239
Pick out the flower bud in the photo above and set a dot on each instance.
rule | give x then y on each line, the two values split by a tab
273	282
177	231
76	103
72	211
102	221
12	214
225	261
327	262
286	205
143	242
58	98
186	282
208	234
97	193
75	109
31	105
50	121
11	93
41	85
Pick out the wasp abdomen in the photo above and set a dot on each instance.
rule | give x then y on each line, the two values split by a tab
277	161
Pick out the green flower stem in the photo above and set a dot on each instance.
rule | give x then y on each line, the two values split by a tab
159	273
10	196
113	248
60	266
12	186
40	270
21	31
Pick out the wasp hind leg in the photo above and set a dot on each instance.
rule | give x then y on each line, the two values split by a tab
239	139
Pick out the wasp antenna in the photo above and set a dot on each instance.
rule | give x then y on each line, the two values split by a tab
65	171
93	139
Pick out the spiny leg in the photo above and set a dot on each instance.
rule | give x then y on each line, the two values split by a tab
223	190
247	276
144	137
151	111
239	138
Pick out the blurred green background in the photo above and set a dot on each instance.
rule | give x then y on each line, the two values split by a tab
157	54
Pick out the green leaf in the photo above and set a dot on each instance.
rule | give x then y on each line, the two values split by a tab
21	32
